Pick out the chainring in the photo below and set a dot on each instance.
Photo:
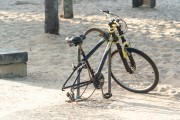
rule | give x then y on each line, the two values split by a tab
98	81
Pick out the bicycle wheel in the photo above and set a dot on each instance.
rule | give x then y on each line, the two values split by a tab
144	76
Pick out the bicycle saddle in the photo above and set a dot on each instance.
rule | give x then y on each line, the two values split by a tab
75	40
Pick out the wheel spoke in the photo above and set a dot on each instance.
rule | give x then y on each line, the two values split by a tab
144	77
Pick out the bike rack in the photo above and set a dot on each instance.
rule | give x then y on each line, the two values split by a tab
78	80
109	73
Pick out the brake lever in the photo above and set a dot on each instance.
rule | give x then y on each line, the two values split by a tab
105	11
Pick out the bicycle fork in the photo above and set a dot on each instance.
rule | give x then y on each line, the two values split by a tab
124	59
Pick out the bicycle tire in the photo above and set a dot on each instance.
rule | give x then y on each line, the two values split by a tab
134	84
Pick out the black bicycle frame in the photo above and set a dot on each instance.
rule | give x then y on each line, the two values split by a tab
85	59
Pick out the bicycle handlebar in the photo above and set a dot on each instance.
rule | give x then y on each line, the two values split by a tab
105	11
108	13
115	20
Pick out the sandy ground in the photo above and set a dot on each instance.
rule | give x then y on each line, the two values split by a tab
39	97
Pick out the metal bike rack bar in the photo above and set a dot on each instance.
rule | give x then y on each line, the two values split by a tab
78	80
109	71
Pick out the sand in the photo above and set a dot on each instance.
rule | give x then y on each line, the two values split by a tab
39	97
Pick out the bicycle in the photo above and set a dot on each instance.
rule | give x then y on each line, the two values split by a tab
140	75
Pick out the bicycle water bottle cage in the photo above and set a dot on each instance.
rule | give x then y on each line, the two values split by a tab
75	40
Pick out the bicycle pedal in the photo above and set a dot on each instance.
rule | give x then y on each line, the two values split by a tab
70	96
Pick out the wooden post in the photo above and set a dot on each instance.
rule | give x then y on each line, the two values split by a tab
150	3
51	17
135	3
67	9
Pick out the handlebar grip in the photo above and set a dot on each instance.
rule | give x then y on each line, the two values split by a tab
106	11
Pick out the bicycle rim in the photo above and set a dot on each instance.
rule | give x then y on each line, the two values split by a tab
145	75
